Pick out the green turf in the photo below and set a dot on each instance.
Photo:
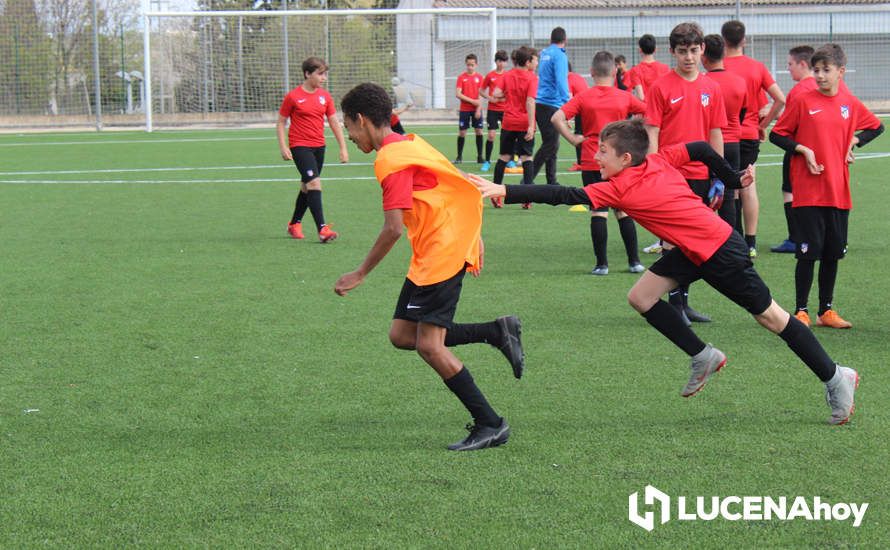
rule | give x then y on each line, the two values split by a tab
199	383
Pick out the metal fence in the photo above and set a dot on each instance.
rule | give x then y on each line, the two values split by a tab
48	73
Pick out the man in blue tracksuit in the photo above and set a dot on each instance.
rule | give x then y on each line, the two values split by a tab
553	92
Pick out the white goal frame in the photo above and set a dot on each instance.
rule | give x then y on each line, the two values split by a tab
148	15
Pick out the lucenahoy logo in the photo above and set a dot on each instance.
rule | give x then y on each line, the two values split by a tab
735	508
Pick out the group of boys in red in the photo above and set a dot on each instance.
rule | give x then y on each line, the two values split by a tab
664	169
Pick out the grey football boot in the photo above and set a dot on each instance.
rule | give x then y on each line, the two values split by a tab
706	363
839	394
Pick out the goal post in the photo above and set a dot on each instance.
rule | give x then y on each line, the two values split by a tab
234	67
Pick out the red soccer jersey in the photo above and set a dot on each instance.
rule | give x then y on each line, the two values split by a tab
685	111
306	112
804	85
577	84
655	194
399	186
735	96
826	125
469	85
491	82
759	80
645	74
518	85
599	106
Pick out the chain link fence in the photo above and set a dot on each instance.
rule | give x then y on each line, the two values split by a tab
235	70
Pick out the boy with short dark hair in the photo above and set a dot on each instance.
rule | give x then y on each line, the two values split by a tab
495	112
443	214
652	191
758	117
641	76
684	106
819	126
468	85
621	73
735	94
518	88
598	106
801	72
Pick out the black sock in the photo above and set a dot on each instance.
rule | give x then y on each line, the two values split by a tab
599	234
300	208
473	333
528	172
463	386
751	241
803	281
460	146
489	145
314	198
499	167
738	215
628	230
789	221
827	277
803	343
666	320
478	147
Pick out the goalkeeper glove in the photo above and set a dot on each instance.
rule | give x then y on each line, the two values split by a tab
715	194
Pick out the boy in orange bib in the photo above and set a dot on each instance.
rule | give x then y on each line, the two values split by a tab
442	212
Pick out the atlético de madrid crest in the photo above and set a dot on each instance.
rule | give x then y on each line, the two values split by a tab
845	111
321	99
705	99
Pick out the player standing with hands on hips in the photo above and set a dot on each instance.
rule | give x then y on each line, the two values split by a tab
306	106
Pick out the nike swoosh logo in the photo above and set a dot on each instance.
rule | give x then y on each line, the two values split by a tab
409	306
676	100
300	100
816	111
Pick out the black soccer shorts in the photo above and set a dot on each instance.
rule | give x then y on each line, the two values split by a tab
822	232
513	143
493	119
434	304
309	161
467	118
729	271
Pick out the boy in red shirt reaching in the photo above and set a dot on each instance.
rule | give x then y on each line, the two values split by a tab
652	191
306	106
819	126
597	107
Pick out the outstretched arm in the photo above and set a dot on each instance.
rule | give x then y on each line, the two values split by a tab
542	194
702	152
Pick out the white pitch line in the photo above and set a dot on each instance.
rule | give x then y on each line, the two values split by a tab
255	180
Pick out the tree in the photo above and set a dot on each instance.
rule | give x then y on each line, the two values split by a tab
25	49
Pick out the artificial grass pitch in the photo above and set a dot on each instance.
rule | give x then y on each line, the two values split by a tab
176	371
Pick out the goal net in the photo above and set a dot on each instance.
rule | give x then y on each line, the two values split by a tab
234	67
